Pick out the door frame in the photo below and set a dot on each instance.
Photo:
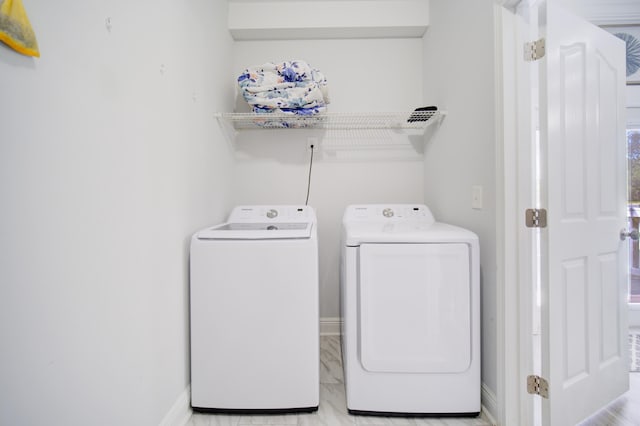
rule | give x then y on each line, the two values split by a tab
514	183
513	243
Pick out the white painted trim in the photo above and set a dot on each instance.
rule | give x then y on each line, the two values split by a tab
514	316
507	410
613	12
489	405
508	4
607	12
526	102
181	411
489	400
330	326
634	314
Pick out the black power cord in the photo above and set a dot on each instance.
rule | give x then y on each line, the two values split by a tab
309	180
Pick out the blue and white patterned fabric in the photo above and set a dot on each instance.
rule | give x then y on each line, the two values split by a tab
286	87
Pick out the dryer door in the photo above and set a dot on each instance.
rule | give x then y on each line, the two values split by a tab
415	307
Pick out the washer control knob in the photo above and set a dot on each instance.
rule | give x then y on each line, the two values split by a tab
272	213
387	213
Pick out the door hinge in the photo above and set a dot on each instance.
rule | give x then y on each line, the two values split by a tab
534	50
537	385
536	218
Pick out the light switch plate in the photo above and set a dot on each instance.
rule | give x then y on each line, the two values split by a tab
476	197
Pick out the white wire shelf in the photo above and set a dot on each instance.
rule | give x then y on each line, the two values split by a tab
411	120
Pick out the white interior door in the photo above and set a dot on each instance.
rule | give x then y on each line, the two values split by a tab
583	187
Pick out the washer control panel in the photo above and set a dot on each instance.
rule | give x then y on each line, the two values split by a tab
272	214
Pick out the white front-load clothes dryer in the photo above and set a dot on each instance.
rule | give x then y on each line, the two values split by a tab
411	314
254	312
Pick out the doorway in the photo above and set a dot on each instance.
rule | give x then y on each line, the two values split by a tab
581	316
633	211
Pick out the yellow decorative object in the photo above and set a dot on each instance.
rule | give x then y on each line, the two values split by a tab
15	28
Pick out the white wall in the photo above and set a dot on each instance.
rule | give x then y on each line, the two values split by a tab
109	160
364	75
459	76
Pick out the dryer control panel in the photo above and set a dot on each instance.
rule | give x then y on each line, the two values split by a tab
397	212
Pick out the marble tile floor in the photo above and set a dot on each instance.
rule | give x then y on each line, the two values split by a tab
333	408
624	411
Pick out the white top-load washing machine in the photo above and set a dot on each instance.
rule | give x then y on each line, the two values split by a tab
254	312
410	298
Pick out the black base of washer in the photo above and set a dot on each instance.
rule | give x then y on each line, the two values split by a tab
396	414
266	411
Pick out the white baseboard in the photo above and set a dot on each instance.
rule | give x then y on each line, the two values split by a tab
181	411
330	326
489	405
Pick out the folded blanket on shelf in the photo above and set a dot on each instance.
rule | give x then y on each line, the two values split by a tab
294	118
292	87
295	121
297	111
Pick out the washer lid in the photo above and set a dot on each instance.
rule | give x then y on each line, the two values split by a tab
257	231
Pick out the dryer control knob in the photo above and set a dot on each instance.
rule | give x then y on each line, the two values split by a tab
272	213
387	213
